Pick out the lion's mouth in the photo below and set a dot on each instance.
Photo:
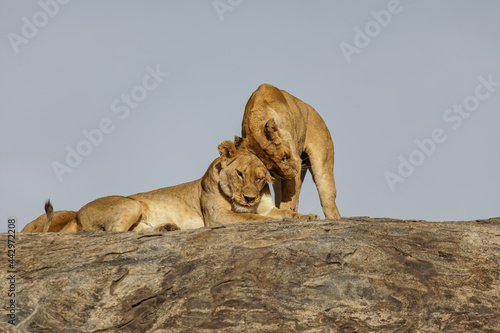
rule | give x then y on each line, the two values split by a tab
243	204
246	203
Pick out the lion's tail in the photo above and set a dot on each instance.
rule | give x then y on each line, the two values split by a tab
49	210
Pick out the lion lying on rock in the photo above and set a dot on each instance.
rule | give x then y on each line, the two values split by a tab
289	136
233	189
58	220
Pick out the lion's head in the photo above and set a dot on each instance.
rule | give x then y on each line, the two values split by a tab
275	148
242	176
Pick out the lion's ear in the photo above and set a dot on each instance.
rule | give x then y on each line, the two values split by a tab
227	150
270	178
271	130
238	142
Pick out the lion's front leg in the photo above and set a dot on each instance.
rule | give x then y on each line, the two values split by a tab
309	217
322	174
286	213
229	217
267	208
287	191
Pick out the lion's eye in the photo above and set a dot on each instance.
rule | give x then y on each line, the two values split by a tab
239	174
285	157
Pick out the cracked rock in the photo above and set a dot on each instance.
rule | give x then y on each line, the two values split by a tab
350	275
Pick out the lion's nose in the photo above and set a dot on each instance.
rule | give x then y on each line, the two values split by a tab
248	199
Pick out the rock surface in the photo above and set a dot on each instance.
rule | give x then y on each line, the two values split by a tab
347	275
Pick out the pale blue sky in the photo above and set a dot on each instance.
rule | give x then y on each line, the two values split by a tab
65	67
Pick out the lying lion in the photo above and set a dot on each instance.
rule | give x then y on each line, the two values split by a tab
233	189
58	220
289	136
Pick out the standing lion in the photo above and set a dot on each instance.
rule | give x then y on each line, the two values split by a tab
289	136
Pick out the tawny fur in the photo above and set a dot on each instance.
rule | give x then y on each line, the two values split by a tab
289	136
55	223
233	189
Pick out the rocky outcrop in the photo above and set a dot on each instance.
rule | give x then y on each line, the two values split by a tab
348	275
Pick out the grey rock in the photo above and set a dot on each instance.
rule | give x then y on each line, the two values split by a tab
347	275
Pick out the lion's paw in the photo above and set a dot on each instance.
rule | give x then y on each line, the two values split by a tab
309	217
168	227
312	217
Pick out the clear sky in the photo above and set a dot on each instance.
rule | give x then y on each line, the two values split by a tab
120	97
